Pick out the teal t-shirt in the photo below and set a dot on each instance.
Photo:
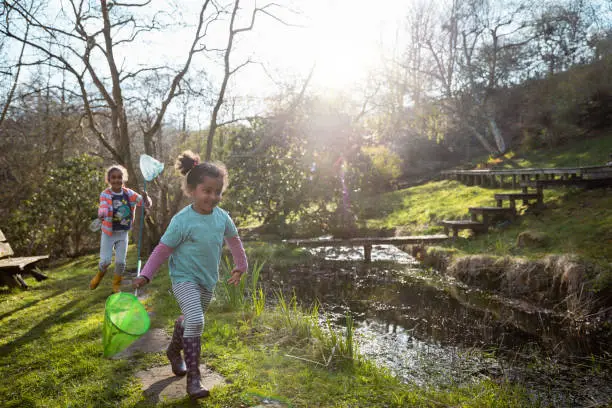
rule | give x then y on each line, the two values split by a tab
197	240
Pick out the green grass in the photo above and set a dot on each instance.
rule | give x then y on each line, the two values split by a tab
419	209
591	151
51	354
578	222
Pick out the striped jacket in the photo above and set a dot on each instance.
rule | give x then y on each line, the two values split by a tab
106	207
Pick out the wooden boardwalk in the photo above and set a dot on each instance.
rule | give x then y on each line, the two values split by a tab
513	177
367	242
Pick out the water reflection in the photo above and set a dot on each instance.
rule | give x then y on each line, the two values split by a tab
431	331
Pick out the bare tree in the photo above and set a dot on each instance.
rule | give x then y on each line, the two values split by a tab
11	73
561	33
85	41
228	70
470	54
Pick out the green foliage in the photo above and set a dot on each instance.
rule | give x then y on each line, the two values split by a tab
234	297
258	298
287	176
592	151
56	218
384	168
563	107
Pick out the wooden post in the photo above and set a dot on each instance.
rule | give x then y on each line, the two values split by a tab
540	192
485	221
367	253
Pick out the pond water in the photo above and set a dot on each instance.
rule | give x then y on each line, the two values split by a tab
433	331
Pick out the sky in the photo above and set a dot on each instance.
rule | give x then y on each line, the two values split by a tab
344	39
341	37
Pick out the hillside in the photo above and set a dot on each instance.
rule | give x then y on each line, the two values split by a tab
559	256
574	221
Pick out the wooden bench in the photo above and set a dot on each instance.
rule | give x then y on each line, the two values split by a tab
512	197
14	269
487	213
456	225
367	242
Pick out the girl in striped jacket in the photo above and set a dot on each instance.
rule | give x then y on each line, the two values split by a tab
116	211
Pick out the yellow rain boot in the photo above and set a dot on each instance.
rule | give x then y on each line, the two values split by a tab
117	283
95	281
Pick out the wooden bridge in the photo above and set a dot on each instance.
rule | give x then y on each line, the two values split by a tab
367	242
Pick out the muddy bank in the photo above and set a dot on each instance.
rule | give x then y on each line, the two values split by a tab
563	283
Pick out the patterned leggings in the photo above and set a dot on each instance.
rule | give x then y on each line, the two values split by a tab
193	300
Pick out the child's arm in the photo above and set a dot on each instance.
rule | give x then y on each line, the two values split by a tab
240	260
102	208
141	199
160	254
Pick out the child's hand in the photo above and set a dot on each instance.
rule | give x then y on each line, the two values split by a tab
139	282
235	278
148	203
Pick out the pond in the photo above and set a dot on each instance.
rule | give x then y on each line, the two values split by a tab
433	331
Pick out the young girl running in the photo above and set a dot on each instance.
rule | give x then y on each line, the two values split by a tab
193	242
116	211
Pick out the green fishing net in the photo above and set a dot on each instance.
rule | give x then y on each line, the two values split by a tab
125	320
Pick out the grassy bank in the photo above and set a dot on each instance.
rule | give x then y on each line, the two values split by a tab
575	221
51	354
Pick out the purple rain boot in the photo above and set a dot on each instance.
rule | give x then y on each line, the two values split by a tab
173	352
191	348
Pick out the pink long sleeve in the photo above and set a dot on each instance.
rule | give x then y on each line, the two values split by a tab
159	255
235	246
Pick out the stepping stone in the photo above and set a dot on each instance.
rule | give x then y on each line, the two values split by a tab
160	384
153	341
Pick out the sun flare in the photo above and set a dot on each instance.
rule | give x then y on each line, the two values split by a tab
344	40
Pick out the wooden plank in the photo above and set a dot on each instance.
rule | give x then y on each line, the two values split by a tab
495	210
21	262
461	223
5	249
414	239
516	196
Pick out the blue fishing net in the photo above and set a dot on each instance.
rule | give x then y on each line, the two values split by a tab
150	167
